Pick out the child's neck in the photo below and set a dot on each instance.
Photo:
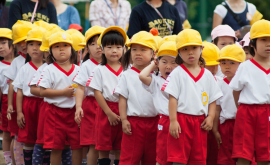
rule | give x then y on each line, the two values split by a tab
9	58
229	78
191	66
261	59
66	66
114	65
98	59
139	67
37	62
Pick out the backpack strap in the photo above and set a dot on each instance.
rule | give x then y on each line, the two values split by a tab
235	16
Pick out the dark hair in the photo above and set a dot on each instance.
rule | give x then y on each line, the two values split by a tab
10	44
215	41
87	56
252	46
111	38
73	58
43	4
180	61
2	2
126	59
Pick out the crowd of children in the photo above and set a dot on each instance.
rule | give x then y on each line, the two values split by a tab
146	100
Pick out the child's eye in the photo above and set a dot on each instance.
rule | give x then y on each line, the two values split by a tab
232	62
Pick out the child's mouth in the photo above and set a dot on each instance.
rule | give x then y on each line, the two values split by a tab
167	73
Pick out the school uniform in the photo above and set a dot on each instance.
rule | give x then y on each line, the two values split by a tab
89	104
105	79
4	85
59	121
11	73
194	94
251	129
142	115
30	104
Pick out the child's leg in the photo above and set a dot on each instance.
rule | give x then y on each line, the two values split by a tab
6	147
66	156
84	154
46	157
38	155
77	157
117	157
262	163
104	158
18	151
12	150
28	153
56	157
242	161
92	156
178	164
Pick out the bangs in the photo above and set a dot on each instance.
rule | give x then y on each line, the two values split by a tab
4	39
113	38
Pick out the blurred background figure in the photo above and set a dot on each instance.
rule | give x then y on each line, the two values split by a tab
3	14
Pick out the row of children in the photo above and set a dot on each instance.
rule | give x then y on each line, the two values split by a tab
155	103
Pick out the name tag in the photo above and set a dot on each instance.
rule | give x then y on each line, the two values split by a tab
160	127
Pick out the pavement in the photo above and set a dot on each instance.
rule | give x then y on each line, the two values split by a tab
2	160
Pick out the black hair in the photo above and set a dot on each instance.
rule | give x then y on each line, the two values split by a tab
252	46
2	2
113	37
215	41
180	61
87	56
73	58
10	45
126	58
42	4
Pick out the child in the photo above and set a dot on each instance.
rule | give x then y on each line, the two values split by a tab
26	104
104	80
7	53
56	88
166	64
193	92
86	108
138	114
251	91
245	45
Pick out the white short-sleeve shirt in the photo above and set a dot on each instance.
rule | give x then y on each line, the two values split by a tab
24	77
254	83
54	77
37	75
139	100
105	79
4	81
193	94
86	71
16	64
226	102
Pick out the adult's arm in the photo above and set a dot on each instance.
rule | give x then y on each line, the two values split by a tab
217	20
177	24
53	14
135	23
74	16
14	14
94	14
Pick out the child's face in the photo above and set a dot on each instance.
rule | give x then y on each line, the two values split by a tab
141	55
61	51
224	41
166	65
190	54
263	47
33	49
113	52
248	55
5	50
94	49
213	69
21	47
229	67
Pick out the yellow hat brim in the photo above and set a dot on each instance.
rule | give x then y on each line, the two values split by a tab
140	43
212	63
69	42
189	44
3	36
229	58
77	48
260	36
167	53
82	44
33	39
19	40
116	28
88	37
44	48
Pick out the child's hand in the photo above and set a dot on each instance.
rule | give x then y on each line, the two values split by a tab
68	91
10	109
175	129
20	120
207	124
113	119
218	138
78	116
126	127
8	116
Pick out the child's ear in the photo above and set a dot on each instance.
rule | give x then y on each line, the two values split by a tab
79	52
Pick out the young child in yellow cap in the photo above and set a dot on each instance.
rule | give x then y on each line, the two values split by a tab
86	107
193	92
138	115
7	54
252	97
56	86
165	63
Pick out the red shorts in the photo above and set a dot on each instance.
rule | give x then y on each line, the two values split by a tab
4	120
191	146
31	106
41	120
251	132
141	145
87	129
162	135
60	127
212	149
12	124
108	137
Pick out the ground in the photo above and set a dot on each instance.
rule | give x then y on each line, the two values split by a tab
2	160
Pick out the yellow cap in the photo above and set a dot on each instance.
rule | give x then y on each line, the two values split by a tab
35	34
60	37
158	39
260	29
167	38
232	52
77	38
188	37
43	24
6	33
45	38
168	49
95	30
111	28
144	38
20	30
210	53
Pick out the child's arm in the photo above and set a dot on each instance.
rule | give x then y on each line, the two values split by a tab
145	73
123	114
10	99
47	92
236	95
113	118
207	124
34	90
175	128
215	126
19	104
79	99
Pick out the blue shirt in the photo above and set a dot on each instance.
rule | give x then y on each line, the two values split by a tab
70	16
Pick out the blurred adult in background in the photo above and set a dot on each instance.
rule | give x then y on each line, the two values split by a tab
66	14
157	14
3	14
23	10
108	13
181	7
